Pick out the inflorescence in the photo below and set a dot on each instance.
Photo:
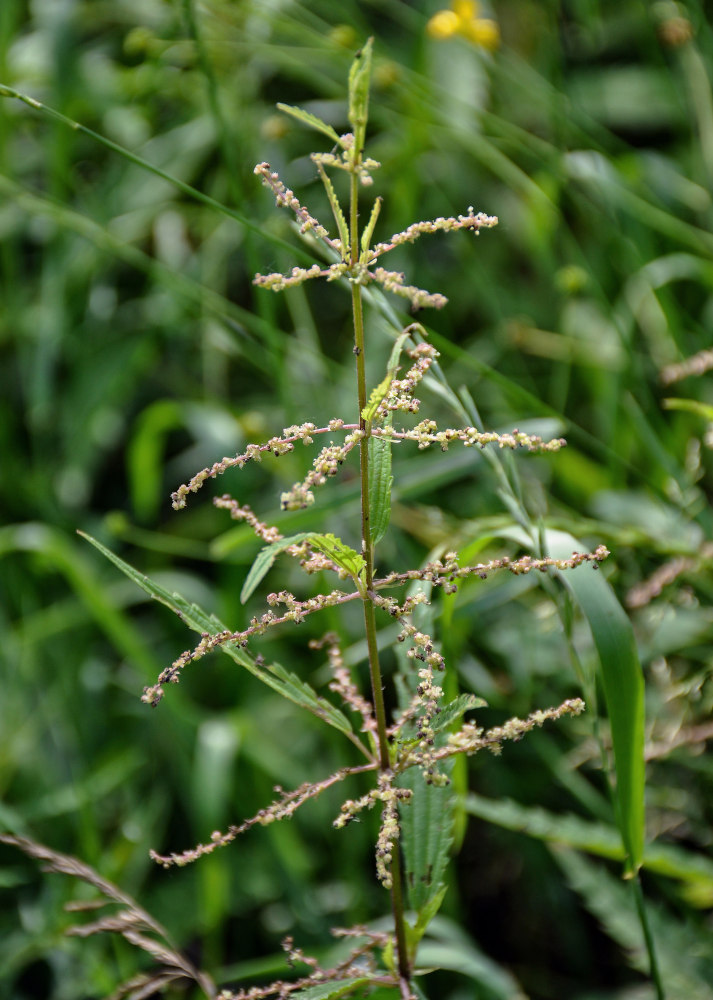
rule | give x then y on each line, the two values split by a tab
421	735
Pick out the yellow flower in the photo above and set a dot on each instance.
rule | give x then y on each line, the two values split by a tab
462	19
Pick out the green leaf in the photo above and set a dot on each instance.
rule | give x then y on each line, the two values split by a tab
276	677
263	563
683	946
303	694
426	835
448	947
689	405
380	483
377	394
307	118
326	991
335	549
694	870
336	212
368	231
454	709
359	76
623	685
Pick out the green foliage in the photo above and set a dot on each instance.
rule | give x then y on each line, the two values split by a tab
133	350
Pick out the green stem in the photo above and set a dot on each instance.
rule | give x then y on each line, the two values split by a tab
397	905
654	970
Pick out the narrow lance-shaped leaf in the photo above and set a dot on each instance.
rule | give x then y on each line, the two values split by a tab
623	685
369	231
307	118
288	685
263	563
336	212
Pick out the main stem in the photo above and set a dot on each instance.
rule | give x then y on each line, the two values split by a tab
397	905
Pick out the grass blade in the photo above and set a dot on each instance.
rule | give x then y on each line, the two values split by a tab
623	685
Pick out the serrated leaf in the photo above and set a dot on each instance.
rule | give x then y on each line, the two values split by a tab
276	677
454	709
380	483
623	685
377	394
335	549
263	563
301	693
326	991
307	118
426	833
336	212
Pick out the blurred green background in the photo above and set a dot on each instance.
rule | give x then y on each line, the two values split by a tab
134	351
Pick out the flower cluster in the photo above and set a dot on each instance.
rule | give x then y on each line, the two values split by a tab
475	221
426	433
286	198
343	683
697	364
358	270
389	796
279	445
471	738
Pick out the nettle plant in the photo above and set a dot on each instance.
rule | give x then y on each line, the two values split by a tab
408	756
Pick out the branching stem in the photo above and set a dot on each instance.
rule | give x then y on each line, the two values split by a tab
397	905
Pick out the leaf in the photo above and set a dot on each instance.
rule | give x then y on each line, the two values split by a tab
335	988
426	822
276	677
301	693
689	405
335	549
307	118
694	870
683	947
263	563
359	76
454	709
336	212
380	483
368	231
623	685
377	394
448	947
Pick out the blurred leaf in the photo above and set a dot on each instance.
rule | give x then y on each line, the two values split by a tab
335	988
623	684
307	118
685	951
695	871
446	946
